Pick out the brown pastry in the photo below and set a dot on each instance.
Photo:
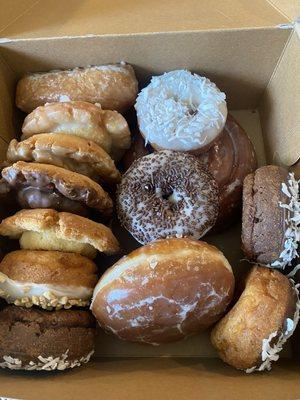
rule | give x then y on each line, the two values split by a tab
70	152
271	216
44	229
254	331
164	291
48	279
47	186
113	86
107	128
229	160
45	341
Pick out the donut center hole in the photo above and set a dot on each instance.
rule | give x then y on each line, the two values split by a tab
169	195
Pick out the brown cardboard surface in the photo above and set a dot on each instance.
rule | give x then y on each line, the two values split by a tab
280	107
155	379
230	58
291	8
53	18
13	10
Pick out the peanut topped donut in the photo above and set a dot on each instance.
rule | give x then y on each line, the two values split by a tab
167	194
181	111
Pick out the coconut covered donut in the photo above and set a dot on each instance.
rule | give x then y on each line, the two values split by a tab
181	111
167	194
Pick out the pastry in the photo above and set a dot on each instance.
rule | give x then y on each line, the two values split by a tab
70	152
48	279
255	330
271	216
164	291
181	111
167	194
113	86
38	340
107	128
229	160
47	186
45	229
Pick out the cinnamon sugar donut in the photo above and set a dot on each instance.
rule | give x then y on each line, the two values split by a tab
167	194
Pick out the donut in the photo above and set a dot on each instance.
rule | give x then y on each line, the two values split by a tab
70	152
38	340
255	330
45	229
164	291
181	111
271	216
107	128
167	194
230	159
113	86
47	279
47	186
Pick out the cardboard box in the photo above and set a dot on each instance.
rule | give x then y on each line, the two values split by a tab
250	50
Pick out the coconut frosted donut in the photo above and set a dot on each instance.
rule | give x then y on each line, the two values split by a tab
167	194
181	111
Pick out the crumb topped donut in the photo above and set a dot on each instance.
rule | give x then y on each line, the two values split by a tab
167	194
181	111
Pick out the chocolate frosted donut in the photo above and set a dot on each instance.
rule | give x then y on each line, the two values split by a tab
167	194
229	160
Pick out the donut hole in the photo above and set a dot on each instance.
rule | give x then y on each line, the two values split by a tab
168	194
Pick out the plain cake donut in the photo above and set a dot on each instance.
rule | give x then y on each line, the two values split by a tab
167	194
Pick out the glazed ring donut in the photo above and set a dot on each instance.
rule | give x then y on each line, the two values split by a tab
167	194
255	330
181	111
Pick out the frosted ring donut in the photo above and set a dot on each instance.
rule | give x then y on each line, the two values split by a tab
181	111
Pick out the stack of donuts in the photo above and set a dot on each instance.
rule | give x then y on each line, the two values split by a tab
189	171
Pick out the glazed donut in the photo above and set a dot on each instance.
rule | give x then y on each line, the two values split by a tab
255	330
229	160
271	216
181	111
47	279
167	194
113	86
70	152
107	128
164	291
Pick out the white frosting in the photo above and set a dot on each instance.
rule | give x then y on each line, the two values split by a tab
271	352
45	363
181	111
13	290
292	234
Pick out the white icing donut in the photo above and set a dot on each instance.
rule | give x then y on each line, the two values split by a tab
181	111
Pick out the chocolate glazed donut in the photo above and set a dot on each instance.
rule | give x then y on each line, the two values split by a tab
229	160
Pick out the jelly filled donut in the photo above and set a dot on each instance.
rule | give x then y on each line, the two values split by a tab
181	111
167	194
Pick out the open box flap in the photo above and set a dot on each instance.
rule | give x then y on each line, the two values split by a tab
280	107
56	18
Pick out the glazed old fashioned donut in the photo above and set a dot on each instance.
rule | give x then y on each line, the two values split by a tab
255	330
113	86
181	111
164	291
107	128
167	194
